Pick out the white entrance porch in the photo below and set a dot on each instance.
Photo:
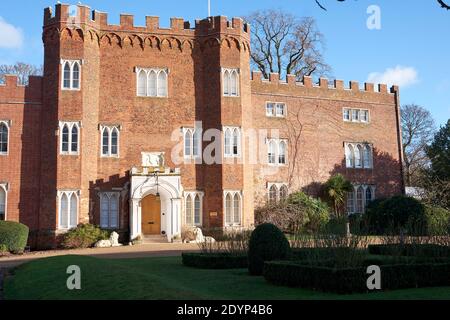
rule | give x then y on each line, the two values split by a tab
155	179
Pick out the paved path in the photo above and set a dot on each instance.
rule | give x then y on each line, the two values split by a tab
125	252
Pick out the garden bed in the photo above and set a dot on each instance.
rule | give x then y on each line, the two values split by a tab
215	260
352	280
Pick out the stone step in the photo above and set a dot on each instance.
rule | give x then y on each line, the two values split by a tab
154	239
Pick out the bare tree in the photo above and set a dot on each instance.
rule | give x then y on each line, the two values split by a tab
442	3
22	70
417	131
285	44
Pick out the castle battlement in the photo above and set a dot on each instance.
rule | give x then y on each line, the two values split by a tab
99	20
11	89
324	84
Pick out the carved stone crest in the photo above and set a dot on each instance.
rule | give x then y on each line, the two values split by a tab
153	159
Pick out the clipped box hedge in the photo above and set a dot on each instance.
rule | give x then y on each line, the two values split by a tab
13	236
353	280
215	260
411	250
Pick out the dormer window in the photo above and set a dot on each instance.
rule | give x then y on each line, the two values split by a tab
71	70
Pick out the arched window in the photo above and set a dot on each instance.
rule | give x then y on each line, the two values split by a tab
358	156
369	196
234	83
228	209
367	156
271	152
76	76
283	192
235	142
237	209
114	142
66	79
188	143
282	153
73	211
189	214
65	139
109	210
228	142
4	132
74	140
349	155
2	203
68	209
104	211
105	142
162	84
350	202
197	142
114	211
152	82
197	210
226	83
273	194
64	212
359	200
142	83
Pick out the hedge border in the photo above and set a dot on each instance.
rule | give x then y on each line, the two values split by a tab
411	250
215	260
353	280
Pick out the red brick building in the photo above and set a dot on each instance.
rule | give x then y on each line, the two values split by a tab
119	131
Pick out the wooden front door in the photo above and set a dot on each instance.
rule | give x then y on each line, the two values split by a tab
151	215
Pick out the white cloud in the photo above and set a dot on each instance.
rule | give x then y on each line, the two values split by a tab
399	75
10	36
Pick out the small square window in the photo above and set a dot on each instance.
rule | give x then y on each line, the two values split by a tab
355	115
346	114
280	110
270	109
364	116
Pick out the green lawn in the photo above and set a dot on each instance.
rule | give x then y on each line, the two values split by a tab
163	278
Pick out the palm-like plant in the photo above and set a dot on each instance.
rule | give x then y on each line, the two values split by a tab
336	189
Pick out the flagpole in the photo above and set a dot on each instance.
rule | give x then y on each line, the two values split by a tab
209	8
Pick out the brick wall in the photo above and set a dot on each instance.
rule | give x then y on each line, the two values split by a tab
194	58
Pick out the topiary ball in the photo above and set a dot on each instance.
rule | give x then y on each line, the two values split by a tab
267	243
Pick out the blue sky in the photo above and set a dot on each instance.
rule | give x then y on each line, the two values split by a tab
411	48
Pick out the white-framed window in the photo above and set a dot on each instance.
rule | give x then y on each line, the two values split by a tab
276	109
277	192
192	142
359	198
68	209
359	155
4	137
364	116
232	142
71	74
152	82
233	208
356	115
230	79
69	138
270	109
3	200
281	110
109	210
277	151
193	201
110	137
346	114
